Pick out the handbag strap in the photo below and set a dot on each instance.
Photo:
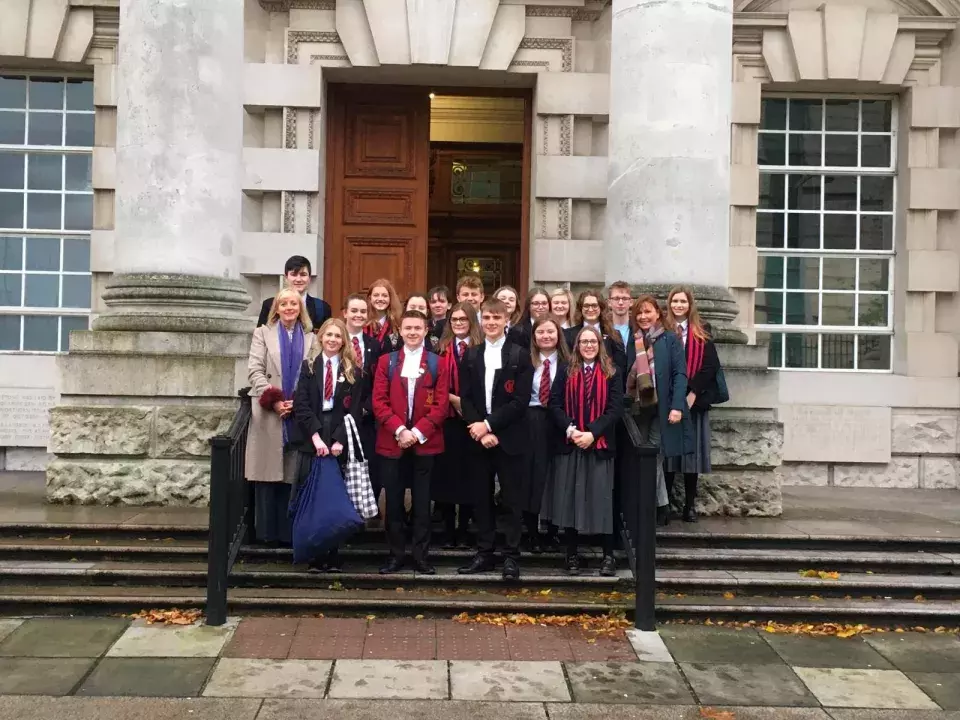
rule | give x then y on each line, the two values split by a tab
353	432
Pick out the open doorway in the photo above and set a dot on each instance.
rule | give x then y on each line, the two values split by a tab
476	189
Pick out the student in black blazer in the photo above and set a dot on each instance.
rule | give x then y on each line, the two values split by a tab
536	308
330	387
366	348
586	401
296	274
494	402
592	310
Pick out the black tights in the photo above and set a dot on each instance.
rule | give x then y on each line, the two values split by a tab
532	522
571	539
689	486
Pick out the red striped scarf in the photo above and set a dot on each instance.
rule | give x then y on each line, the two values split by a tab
695	349
575	400
378	332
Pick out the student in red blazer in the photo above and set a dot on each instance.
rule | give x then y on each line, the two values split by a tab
410	423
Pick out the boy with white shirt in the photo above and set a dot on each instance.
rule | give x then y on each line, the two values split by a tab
410	401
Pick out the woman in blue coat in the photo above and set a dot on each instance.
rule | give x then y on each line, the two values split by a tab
657	387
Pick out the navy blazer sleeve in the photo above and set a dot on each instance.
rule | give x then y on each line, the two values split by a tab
678	373
707	375
471	413
520	398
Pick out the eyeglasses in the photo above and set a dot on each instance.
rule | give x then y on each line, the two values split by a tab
591	306
588	343
621	299
459	320
538	303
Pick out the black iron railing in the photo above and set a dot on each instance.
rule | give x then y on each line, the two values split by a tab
637	518
231	508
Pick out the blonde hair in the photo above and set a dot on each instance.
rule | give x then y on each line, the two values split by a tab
348	360
568	318
274	314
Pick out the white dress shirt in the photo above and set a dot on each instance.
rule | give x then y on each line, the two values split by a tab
334	369
411	371
363	349
683	332
538	374
492	361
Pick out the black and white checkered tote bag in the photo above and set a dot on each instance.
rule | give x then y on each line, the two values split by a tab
356	473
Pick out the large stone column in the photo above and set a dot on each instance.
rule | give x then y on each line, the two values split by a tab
143	391
668	215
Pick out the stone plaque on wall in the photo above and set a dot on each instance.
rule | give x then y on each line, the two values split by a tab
832	433
25	416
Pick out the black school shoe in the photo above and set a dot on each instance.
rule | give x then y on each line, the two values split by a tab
608	568
573	564
689	515
391	566
511	570
479	564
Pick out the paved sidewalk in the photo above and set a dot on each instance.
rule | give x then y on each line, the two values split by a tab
348	667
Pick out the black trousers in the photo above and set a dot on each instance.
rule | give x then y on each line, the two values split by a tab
418	470
488	465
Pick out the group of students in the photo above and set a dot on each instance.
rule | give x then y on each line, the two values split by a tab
454	395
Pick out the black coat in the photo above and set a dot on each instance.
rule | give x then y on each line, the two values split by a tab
371	354
308	406
317	308
604	426
511	394
614	348
704	383
521	334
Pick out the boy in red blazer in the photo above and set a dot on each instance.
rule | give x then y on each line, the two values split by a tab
410	402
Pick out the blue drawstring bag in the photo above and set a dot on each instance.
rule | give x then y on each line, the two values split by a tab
323	514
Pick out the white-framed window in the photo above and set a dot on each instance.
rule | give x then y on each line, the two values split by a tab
825	230
46	209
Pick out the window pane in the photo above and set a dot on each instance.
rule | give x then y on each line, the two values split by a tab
875	151
76	291
771	191
840	151
11	170
770	272
9	332
772	149
10	286
803	192
802	308
803	273
837	352
76	254
78	212
876	193
804	149
876	232
79	94
773	114
873	311
806	115
67	325
12	127
839	273
42	291
769	230
839	232
44	172
43	211
803	231
877	115
43	253
13	91
80	130
842	115
46	94
40	333
874	274
775	350
840	192
45	129
11	253
768	308
801	350
78	172
838	309
873	352
11	210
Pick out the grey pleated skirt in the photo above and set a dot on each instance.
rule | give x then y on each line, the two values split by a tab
581	494
697	461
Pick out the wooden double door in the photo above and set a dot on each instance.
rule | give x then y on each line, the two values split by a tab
378	141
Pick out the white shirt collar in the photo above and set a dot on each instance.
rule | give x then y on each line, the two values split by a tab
357	335
591	325
498	344
552	357
589	365
415	351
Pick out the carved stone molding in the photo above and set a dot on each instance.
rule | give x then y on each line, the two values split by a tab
296	37
564	45
943	8
287	5
106	28
590	13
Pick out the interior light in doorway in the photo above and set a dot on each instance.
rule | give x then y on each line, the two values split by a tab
432	95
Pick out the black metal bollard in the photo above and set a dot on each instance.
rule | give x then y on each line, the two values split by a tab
646	540
218	569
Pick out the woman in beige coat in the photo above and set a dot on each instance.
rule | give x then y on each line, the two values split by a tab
276	355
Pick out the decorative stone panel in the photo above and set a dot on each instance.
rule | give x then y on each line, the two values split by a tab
185	432
921	433
804	474
900	472
95	430
940	473
753	493
745	443
148	482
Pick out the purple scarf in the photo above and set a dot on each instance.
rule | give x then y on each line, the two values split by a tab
291	358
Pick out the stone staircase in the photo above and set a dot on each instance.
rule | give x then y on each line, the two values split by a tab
95	568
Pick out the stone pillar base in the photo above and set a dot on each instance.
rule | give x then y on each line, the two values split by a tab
136	412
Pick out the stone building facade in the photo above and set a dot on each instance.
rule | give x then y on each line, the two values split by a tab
796	161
